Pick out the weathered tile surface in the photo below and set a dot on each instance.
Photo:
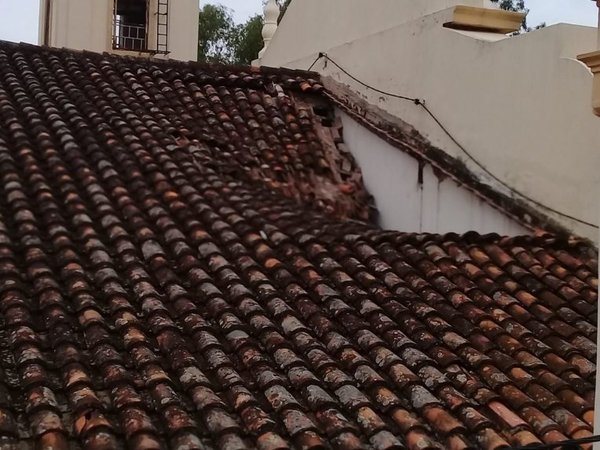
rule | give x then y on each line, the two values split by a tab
167	282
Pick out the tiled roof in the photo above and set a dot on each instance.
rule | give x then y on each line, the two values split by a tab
155	293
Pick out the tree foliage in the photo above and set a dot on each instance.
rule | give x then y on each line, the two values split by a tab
248	40
215	34
517	6
222	41
511	5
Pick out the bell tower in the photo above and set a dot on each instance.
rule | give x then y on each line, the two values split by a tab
166	29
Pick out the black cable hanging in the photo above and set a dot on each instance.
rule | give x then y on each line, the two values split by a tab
571	444
319	56
421	103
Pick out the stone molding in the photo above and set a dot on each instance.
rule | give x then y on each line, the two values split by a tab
485	19
592	60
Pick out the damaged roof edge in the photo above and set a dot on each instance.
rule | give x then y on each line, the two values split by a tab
406	138
388	127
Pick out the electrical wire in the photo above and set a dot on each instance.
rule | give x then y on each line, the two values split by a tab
510	188
389	94
319	56
422	103
572	444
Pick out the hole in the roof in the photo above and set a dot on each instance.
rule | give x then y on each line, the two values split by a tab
325	114
322	111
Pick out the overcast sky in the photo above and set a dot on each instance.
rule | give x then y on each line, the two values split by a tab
19	18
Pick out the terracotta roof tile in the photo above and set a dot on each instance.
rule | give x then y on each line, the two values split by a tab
177	271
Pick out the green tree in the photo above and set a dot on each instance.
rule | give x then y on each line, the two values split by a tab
220	40
517	6
511	5
248	40
216	31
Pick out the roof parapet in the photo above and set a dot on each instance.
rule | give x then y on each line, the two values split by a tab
592	60
485	19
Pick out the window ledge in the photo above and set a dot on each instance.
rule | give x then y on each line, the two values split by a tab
140	53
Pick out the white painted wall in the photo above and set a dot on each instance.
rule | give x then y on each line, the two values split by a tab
519	104
183	30
436	206
317	25
78	24
87	25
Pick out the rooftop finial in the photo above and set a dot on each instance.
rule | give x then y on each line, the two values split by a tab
270	25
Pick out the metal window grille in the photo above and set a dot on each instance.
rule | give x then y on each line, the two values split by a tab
129	36
132	22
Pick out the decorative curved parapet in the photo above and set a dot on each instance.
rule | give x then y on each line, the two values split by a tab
486	19
592	60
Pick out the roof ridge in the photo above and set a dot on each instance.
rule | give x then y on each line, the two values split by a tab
313	78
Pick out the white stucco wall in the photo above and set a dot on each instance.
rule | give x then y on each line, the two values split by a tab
520	104
436	206
79	24
323	24
183	30
87	25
